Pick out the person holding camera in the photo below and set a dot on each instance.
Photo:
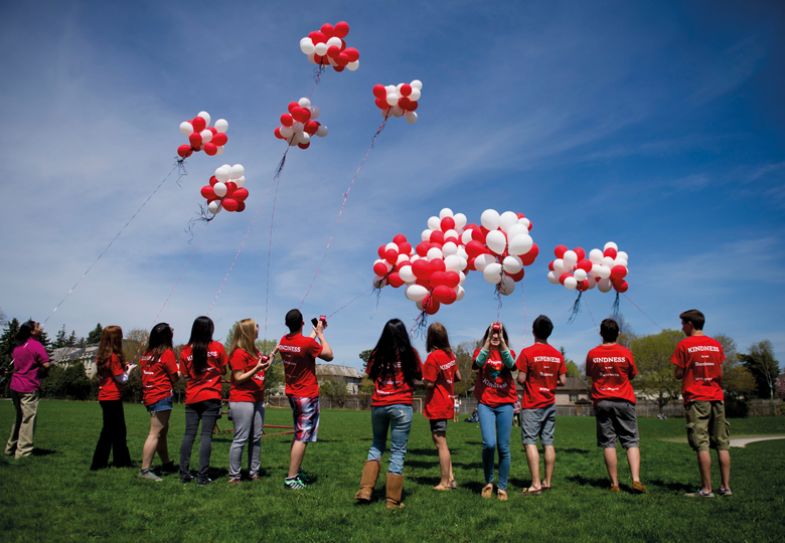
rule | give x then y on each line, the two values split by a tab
495	392
299	354
29	361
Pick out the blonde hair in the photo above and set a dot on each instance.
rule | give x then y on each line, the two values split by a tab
244	337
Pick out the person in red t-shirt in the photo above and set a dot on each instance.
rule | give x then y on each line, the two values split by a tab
610	367
112	373
246	398
299	354
440	371
393	366
494	389
698	360
159	374
540	370
202	364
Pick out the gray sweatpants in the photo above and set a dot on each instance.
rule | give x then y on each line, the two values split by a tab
248	418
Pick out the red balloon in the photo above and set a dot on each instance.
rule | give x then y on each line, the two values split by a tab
405	248
438	278
342	59
430	305
421	269
412	105
277	132
341	29
550	265
210	148
531	225
381	250
560	250
380	269
382	104
517	276
453	279
292	106
213	181
311	127
231	186
582	286
398	239
380	92
286	119
437	265
584	264
328	30
339	68
581	253
564	276
618	272
198	123
395	280
406	89
391	256
301	114
208	193
333	51
455	240
196	139
317	37
240	206
220	139
437	236
404	103
240	194
304	145
529	258
478	234
230	204
470	264
447	223
352	53
475	248
184	151
444	294
422	248
610	252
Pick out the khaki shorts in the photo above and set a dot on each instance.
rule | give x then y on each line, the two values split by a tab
707	426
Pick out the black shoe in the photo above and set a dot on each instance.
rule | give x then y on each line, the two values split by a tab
186	477
203	480
169	467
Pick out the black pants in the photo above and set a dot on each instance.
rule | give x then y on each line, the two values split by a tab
208	412
112	437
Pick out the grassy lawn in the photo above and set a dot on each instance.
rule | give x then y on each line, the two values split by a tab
54	497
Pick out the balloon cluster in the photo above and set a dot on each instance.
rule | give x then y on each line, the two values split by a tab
399	100
299	124
226	190
202	136
435	270
327	46
605	269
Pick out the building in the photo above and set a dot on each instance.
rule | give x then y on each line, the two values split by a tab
575	390
351	377
77	355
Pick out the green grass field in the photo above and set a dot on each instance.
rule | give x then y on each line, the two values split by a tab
52	496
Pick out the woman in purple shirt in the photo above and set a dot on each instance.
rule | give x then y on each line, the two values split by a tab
29	358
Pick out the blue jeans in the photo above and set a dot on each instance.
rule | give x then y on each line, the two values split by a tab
495	426
399	419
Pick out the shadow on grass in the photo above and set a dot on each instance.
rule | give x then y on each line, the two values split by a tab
473	486
589	481
422	464
468	465
427	481
43	452
672	486
572	450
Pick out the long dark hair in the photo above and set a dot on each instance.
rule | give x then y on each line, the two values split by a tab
160	340
393	346
437	338
201	336
24	333
111	343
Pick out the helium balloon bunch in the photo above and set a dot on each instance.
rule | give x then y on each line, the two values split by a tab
226	189
605	269
399	100
299	125
327	46
202	136
500	248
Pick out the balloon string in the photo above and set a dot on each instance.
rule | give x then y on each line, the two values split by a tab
627	296
178	165
498	295
276	184
347	304
178	280
591	315
576	308
240	248
342	208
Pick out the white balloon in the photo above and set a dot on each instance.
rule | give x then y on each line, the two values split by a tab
490	219
207	135
496	241
453	263
464	264
552	278
622	255
604	284
286	131
425	235
416	84
512	264
611	245
482	261
608	261
521	244
306	46
214	207
460	221
570	258
353	66
445	212
451	234
402	257
396	111
186	128
558	265
506	285
391	245
526	223
220	150
459	292
416	292
315	111
297	127
204	115
571	283
240	181
304	102
415	94
507	219
320	49
580	274
304	137
335	41
222	125
392	99
321	131
222	173
389	88
492	273
466	237
517	229
434	223
434	253
219	189
407	274
411	117
450	248
595	256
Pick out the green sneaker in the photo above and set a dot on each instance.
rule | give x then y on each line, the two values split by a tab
294	483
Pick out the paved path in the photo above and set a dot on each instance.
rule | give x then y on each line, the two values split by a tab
744	441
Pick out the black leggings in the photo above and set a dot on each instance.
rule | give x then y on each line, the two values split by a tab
112	437
208	412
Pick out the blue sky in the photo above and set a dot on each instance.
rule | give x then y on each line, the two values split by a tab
658	125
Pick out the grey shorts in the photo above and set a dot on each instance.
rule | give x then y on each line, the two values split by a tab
438	426
616	419
538	423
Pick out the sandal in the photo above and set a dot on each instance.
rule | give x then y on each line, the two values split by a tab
487	491
533	491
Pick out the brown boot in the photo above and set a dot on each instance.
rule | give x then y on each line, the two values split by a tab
394	491
367	481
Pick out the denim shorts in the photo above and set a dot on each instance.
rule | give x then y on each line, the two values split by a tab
161	405
438	426
540	423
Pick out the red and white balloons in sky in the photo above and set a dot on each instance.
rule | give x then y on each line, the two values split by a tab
226	189
299	125
327	46
202	136
399	100
605	269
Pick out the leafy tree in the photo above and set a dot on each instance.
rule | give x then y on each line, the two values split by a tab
463	357
66	381
10	330
366	385
737	380
572	368
95	335
652	356
365	356
334	389
764	367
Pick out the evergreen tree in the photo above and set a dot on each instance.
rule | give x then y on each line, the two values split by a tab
6	347
72	339
95	334
60	339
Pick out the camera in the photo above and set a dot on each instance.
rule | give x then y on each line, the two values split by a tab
322	318
496	327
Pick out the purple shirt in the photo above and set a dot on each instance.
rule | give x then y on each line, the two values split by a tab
28	358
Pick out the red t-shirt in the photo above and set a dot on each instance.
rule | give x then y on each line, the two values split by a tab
542	365
701	358
159	373
610	368
393	390
206	385
108	388
440	368
494	385
250	390
299	364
